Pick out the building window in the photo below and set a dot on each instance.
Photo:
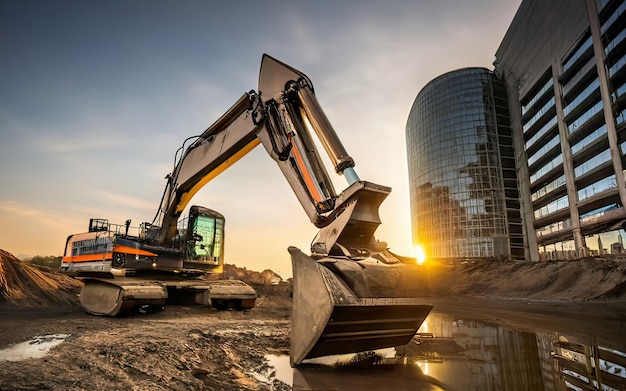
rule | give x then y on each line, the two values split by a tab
594	86
588	140
547	189
592	163
556	162
545	109
585	117
571	60
547	87
595	214
597	187
544	149
548	127
552	207
554	227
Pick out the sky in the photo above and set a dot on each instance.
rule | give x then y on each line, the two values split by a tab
96	97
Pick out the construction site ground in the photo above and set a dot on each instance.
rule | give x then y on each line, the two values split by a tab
180	348
200	348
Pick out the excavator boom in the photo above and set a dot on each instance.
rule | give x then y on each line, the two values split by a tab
221	145
280	116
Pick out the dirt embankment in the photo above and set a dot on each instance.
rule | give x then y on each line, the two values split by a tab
266	277
579	280
585	279
26	285
23	284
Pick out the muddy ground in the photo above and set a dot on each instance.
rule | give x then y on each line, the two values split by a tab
195	348
199	348
180	348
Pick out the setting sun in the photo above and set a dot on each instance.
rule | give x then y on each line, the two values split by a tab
420	256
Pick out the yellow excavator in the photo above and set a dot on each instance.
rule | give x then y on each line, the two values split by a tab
350	293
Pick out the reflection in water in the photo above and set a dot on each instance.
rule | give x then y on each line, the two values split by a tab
583	367
366	371
468	355
451	354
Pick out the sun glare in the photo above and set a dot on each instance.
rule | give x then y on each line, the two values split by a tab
419	254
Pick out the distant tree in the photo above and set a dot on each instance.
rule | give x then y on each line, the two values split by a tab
53	262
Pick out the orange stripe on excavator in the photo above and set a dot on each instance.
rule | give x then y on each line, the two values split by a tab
310	183
88	258
108	255
132	250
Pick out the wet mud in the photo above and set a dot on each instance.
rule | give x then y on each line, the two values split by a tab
181	348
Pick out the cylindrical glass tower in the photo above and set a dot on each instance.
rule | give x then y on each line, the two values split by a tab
460	164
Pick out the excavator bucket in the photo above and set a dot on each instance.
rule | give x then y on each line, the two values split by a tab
345	306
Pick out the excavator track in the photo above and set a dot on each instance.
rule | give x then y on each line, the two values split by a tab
116	297
232	294
220	294
120	296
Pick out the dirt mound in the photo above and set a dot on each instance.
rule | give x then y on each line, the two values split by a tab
266	277
575	280
26	285
584	279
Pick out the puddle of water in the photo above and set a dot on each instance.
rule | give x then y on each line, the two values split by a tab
282	367
454	354
279	368
466	354
37	347
377	370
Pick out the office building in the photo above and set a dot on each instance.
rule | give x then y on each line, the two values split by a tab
563	66
463	188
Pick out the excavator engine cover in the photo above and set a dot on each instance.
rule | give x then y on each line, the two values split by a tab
343	306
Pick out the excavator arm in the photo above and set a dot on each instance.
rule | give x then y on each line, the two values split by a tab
282	117
351	294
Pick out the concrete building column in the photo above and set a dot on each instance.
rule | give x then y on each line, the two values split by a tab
598	51
568	165
531	249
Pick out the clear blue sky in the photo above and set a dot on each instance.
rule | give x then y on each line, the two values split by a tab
96	96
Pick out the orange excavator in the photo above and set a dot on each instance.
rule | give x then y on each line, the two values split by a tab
350	293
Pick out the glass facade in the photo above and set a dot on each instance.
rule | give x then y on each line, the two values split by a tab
462	177
571	95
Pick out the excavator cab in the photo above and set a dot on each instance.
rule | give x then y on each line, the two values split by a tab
204	239
98	225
